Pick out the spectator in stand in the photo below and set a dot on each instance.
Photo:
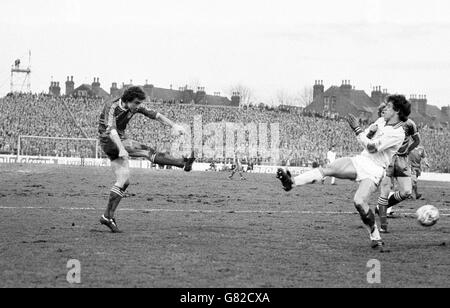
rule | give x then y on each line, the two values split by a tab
304	137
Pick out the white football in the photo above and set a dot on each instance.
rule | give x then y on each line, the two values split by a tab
427	215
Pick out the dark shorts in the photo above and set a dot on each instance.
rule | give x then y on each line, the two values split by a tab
399	167
134	148
416	171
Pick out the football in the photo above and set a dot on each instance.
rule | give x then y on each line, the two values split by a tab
427	215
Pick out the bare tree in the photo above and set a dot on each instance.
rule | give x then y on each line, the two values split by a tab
283	97
305	96
245	92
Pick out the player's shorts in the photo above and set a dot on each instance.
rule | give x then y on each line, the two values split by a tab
134	148
367	169
399	167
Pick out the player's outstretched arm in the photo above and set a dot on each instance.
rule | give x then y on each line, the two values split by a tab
178	129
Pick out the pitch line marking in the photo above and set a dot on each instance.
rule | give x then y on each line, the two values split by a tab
405	213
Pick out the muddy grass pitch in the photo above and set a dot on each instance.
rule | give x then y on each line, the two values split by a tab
203	230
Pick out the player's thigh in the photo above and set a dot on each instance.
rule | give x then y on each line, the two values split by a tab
401	167
385	187
404	184
137	149
342	168
121	168
365	189
109	148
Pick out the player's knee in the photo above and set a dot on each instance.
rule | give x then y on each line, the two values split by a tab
123	175
359	202
359	207
406	194
385	190
123	183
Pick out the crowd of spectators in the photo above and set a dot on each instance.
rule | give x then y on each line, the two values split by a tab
304	138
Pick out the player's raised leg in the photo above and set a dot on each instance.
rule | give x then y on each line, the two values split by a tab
135	149
341	168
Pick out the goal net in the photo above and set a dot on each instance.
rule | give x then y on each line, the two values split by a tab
57	147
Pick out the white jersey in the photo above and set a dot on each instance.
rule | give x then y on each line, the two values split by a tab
387	141
331	156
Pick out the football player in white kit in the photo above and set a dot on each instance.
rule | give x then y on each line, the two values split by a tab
369	167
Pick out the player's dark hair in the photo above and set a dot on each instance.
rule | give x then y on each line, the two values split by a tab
401	105
133	93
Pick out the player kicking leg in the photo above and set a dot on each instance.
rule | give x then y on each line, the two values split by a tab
112	125
366	168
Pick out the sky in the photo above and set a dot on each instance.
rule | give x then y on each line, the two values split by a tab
268	46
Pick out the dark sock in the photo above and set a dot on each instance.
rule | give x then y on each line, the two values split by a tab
115	196
382	209
415	190
396	198
167	160
367	218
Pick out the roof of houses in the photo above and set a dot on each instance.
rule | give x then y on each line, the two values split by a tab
90	91
344	100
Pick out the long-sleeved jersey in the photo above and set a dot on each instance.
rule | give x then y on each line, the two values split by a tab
115	116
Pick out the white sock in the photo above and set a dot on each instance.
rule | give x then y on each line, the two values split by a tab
333	180
389	210
309	177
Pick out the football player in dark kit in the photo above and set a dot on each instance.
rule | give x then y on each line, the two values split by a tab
113	141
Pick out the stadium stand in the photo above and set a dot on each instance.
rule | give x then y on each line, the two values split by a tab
304	137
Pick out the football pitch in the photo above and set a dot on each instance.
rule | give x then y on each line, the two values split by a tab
203	230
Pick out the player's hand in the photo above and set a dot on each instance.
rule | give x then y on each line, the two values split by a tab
373	128
354	123
371	148
178	130
123	153
372	131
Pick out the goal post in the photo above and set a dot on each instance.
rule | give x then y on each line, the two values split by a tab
57	147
